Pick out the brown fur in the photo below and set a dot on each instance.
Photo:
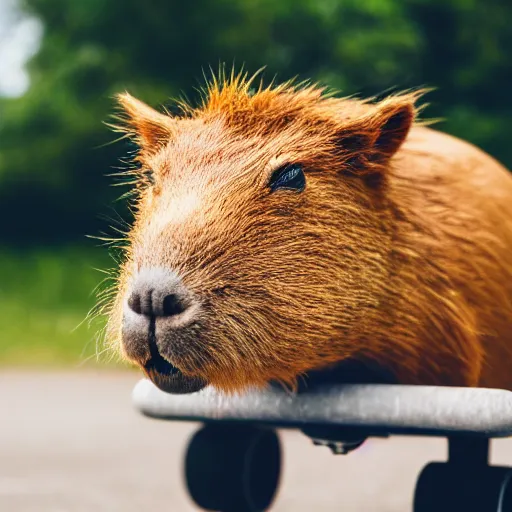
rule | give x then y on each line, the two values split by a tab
399	254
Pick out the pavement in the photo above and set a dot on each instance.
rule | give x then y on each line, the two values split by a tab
72	442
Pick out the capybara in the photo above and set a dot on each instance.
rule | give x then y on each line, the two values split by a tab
282	230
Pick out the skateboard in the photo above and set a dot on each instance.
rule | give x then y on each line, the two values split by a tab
233	462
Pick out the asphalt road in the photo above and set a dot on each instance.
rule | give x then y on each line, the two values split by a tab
71	442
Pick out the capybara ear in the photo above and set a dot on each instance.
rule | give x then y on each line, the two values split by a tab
368	141
148	127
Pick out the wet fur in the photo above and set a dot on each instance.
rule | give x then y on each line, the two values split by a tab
397	253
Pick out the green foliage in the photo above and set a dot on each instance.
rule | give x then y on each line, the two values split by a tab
44	299
55	151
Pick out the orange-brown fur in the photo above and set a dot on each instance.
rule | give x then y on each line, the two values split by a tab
399	254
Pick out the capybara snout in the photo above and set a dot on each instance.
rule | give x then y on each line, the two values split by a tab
158	309
280	231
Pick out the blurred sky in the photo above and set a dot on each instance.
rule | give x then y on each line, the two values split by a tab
20	36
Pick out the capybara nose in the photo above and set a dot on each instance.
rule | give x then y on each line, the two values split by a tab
151	303
158	292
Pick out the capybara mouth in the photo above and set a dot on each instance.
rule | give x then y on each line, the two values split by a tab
168	378
165	375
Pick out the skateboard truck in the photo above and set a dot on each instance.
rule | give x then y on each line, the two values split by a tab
340	441
338	447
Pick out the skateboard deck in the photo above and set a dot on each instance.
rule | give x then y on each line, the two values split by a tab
372	409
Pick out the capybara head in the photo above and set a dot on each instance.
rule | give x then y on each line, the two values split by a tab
260	243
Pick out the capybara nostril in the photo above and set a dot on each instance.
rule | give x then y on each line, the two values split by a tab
159	293
174	304
134	303
143	303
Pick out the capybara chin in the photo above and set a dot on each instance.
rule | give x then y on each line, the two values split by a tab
281	230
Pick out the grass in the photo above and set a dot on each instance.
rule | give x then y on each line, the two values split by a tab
44	300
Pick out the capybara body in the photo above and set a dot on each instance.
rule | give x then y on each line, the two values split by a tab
281	230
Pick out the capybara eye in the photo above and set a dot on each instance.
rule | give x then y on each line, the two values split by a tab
289	176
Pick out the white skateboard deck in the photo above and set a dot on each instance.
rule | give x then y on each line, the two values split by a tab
375	409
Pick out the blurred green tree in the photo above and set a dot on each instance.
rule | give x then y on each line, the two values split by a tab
54	151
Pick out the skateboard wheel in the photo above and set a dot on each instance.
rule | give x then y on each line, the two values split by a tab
445	487
233	468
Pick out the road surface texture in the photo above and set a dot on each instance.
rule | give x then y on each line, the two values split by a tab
71	442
